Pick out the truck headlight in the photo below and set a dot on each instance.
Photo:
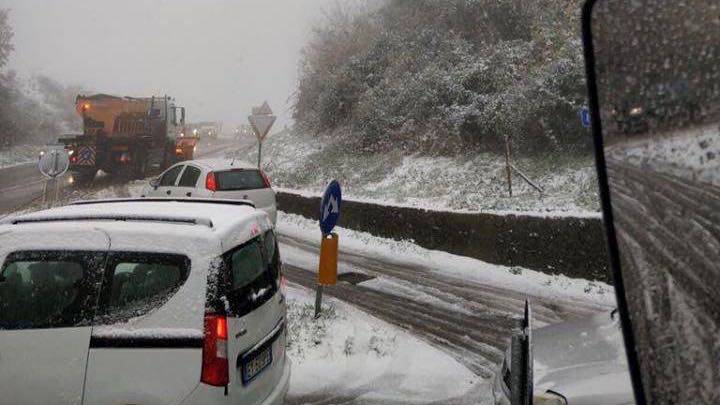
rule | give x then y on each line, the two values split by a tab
549	398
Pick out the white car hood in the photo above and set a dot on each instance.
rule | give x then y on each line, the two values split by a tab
584	361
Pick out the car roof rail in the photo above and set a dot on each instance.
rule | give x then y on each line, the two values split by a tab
109	217
167	199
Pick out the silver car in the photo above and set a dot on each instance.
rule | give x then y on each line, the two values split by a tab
580	362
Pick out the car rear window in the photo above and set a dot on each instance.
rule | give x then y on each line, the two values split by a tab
48	289
251	282
239	179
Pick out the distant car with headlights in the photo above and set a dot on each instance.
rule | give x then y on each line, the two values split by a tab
579	362
142	301
229	179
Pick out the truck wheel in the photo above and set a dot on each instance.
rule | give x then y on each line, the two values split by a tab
84	177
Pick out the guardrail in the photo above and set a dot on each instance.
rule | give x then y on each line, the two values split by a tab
571	246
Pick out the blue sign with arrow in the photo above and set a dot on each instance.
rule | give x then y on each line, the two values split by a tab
330	207
585	117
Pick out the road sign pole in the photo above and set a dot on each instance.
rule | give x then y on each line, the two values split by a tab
318	300
57	191
259	154
44	194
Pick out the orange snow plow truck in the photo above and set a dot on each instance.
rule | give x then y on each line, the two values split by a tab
128	137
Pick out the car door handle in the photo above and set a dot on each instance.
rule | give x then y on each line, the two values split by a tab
168	192
189	194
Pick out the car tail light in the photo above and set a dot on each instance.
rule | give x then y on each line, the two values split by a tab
266	179
211	182
215	351
283	285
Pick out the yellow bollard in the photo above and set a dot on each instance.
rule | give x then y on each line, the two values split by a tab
327	272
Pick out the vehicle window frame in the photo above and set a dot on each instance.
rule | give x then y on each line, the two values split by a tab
92	276
182	174
103	316
273	262
177	177
225	281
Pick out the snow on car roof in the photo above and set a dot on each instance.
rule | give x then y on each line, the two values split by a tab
218	164
221	216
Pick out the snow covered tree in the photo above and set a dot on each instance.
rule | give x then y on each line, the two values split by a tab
442	76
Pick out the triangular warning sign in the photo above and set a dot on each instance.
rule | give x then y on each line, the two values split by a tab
261	125
264	109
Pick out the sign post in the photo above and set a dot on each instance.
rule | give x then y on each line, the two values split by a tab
53	163
261	120
329	215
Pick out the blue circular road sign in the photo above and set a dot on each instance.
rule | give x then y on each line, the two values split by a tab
330	207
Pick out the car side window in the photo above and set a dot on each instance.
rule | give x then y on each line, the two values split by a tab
48	289
251	282
189	177
138	282
168	179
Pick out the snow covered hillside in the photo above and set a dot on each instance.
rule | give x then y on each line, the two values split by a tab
473	182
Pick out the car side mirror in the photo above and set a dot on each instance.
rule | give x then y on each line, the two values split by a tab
652	75
154	182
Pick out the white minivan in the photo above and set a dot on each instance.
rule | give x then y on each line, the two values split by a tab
142	301
216	178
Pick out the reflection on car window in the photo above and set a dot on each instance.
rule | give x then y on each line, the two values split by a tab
251	283
168	179
47	289
141	282
189	177
271	256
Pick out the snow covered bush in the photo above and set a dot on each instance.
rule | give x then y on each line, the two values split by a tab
438	77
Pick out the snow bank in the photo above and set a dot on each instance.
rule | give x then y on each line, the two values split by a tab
349	354
692	154
20	154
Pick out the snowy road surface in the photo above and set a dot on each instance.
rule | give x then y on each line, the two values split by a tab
22	185
670	224
468	317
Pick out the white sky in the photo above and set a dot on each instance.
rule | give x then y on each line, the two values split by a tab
216	57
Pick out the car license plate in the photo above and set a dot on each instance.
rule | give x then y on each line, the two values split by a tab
254	364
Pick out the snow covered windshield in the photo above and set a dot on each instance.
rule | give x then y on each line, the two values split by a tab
457	137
